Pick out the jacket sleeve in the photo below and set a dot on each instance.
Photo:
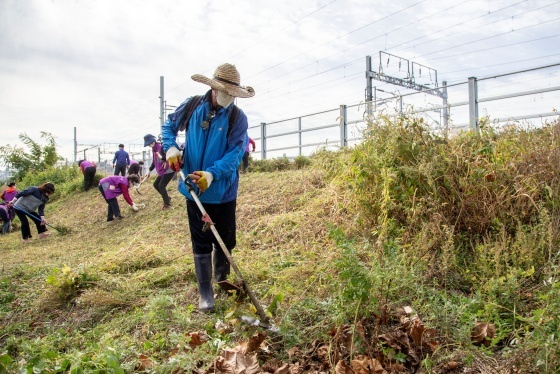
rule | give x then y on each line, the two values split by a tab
170	128
115	158
26	192
125	193
42	210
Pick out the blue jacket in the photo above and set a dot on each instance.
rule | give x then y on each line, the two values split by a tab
209	150
121	157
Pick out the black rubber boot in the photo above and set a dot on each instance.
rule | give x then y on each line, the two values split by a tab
203	268
221	265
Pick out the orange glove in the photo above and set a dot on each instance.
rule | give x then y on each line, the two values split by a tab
174	158
202	179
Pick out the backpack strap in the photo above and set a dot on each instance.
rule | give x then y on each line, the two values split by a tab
232	119
189	109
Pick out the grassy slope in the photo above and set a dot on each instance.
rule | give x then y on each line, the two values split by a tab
137	270
137	291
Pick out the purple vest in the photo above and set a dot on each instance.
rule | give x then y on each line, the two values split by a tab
161	166
86	164
111	187
9	194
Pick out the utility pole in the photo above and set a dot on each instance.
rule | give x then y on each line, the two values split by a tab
161	102
75	145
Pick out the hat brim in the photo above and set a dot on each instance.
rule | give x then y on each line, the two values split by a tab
149	141
230	89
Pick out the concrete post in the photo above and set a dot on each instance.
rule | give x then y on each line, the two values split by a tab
473	104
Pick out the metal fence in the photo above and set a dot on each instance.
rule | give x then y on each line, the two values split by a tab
462	108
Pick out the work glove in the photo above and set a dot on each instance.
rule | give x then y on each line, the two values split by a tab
174	158
202	179
134	207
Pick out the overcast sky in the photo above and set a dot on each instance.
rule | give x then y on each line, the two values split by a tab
96	65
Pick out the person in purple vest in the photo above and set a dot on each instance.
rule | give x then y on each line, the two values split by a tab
164	172
112	187
26	203
7	195
6	218
88	169
135	167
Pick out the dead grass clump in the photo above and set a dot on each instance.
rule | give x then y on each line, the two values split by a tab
130	260
101	300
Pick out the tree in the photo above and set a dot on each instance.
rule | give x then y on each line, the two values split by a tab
39	158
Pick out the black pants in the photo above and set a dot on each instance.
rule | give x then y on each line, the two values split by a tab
160	184
120	169
134	169
223	216
245	161
89	176
5	221
113	209
25	229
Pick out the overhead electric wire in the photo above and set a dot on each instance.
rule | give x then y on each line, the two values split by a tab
351	32
455	25
344	50
391	48
500	64
266	38
486	38
381	35
500	46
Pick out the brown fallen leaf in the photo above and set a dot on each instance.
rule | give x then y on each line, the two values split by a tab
196	338
255	342
482	333
342	368
452	365
235	361
144	363
367	365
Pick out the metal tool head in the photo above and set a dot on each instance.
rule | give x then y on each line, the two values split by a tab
256	322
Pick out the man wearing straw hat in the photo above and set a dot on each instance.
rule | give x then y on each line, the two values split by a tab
211	157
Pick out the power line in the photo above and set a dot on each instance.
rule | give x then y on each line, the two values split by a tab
486	38
266	38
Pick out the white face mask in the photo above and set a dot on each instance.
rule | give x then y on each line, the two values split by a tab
223	99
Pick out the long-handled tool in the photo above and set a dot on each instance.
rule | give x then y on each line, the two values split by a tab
137	188
34	218
264	321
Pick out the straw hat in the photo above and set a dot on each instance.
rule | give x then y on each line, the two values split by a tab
226	79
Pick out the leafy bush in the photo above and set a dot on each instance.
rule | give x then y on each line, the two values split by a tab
66	179
476	212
